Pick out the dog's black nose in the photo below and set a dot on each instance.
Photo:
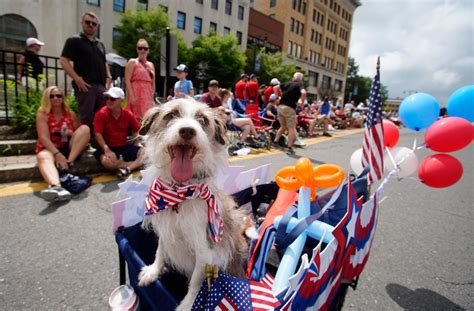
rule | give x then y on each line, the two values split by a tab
187	133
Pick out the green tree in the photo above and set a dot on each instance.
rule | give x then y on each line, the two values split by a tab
272	67
358	87
149	25
216	57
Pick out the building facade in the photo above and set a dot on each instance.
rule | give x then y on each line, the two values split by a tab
316	38
53	21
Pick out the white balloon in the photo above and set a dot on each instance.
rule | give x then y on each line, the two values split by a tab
405	158
356	161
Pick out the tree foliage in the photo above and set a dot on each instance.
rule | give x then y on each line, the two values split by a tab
358	87
149	25
272	66
216	57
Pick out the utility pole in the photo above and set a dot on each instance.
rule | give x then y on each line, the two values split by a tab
168	61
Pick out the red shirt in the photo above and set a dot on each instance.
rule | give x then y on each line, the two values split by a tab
213	103
54	128
252	90
115	131
269	91
240	87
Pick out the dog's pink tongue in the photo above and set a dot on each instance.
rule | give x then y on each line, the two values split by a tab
182	164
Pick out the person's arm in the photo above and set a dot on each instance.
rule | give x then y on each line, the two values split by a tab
108	76
21	63
303	95
154	80
128	81
99	139
75	121
81	84
45	139
191	89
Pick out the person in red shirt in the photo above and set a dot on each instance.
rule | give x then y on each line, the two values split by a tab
212	98
241	88
252	89
112	126
274	88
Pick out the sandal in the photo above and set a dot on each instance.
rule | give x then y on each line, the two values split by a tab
123	173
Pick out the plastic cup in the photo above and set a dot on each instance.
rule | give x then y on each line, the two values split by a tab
123	298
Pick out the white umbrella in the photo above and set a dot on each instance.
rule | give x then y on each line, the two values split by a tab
115	59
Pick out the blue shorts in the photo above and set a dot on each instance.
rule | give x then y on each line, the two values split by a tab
128	152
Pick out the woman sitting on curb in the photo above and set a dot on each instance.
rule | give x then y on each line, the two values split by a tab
61	140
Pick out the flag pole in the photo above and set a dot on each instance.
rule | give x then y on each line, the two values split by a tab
378	62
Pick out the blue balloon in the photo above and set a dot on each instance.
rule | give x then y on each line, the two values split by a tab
461	103
419	111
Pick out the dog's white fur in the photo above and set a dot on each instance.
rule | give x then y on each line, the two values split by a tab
184	241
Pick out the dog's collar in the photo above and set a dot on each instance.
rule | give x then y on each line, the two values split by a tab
200	175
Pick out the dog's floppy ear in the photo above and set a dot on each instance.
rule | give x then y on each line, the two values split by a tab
219	130
148	120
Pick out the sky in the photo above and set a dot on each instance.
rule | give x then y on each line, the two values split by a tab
424	45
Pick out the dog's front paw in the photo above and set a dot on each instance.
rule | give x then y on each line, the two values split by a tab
148	275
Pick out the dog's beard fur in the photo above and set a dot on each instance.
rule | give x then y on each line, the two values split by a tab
184	242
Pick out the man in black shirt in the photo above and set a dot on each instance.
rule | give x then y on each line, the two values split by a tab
90	73
292	92
29	64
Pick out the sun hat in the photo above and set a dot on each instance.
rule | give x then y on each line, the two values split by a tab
115	92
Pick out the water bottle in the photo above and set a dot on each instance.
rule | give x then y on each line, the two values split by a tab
64	133
120	157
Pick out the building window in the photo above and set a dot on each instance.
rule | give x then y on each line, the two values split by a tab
119	6
240	13
197	25
292	24
212	27
302	29
142	5
238	34
226	30
181	21
214	4
14	29
228	7
338	85
273	3
313	78
199	1
94	2
326	83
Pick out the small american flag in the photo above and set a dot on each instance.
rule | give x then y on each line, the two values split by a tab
227	293
372	153
262	295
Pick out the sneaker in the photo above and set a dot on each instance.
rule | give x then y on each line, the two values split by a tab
55	193
276	145
290	151
261	138
239	145
298	143
123	173
327	134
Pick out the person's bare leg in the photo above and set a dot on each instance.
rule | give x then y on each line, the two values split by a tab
291	136
79	141
245	133
47	167
108	164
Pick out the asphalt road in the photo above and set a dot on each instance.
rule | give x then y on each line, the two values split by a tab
55	256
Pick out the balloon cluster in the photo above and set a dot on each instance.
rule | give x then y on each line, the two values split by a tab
419	112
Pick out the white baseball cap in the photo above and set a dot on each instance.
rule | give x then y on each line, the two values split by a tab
274	82
181	67
31	41
115	92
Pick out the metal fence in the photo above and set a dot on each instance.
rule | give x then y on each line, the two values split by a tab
13	85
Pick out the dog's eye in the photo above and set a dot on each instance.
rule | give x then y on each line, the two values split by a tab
204	121
170	115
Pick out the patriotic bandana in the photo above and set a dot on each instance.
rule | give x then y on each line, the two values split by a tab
163	195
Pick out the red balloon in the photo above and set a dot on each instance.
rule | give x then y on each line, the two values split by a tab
440	170
390	133
449	134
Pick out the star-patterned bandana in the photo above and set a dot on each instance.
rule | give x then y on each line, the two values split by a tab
163	195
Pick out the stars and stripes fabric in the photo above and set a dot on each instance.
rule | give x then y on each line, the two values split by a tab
373	146
227	293
261	294
163	195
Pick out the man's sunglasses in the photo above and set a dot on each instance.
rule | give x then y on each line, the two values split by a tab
142	48
108	98
90	23
51	96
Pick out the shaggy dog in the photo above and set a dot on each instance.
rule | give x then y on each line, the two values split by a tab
186	146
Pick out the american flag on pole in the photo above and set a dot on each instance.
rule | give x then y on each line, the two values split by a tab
262	295
373	147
